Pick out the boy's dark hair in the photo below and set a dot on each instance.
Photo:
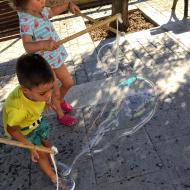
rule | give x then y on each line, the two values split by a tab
33	70
19	5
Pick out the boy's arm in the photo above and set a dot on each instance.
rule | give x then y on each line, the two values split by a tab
61	8
16	134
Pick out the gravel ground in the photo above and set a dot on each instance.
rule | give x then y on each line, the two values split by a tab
137	22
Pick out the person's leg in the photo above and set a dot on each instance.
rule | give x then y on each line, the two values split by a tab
174	4
66	83
186	4
64	183
48	145
57	98
46	167
66	80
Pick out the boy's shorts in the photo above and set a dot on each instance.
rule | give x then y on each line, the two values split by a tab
40	133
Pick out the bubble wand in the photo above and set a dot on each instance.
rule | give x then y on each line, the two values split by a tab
94	26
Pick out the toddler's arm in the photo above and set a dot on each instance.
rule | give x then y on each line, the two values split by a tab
61	8
16	134
35	46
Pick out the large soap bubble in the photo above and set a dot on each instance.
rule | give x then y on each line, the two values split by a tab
108	57
130	106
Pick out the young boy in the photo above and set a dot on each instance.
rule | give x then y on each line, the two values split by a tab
22	110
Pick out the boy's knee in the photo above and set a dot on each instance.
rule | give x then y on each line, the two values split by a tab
42	155
69	84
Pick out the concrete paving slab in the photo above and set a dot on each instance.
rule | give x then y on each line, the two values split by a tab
7	84
155	180
39	180
94	70
14	170
128	157
175	155
182	183
170	21
171	118
84	175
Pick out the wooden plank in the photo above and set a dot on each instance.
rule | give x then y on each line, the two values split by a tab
9	24
9	37
6	23
94	4
11	17
3	3
8	13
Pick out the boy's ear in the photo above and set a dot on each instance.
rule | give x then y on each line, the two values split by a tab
25	90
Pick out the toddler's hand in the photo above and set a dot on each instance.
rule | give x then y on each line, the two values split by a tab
34	155
50	45
73	8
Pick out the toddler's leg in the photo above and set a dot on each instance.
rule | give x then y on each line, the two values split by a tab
57	99
66	80
66	83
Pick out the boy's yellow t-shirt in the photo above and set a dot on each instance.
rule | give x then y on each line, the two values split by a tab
20	111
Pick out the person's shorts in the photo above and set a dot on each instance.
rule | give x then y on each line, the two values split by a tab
40	133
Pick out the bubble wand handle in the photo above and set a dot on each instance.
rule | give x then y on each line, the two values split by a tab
95	21
96	25
22	145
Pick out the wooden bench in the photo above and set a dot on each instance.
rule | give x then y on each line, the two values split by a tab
185	7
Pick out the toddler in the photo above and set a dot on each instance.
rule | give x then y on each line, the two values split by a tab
39	36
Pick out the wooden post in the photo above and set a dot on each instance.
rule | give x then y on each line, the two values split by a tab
121	6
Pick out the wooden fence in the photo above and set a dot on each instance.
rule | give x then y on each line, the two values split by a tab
9	27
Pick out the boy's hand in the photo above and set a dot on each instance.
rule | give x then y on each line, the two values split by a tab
49	45
73	8
34	155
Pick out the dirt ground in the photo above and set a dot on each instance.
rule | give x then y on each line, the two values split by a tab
137	22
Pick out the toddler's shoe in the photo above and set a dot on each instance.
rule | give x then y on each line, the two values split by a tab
68	120
66	107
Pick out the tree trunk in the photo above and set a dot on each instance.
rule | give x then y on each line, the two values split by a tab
121	6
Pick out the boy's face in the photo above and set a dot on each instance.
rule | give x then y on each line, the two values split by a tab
41	93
